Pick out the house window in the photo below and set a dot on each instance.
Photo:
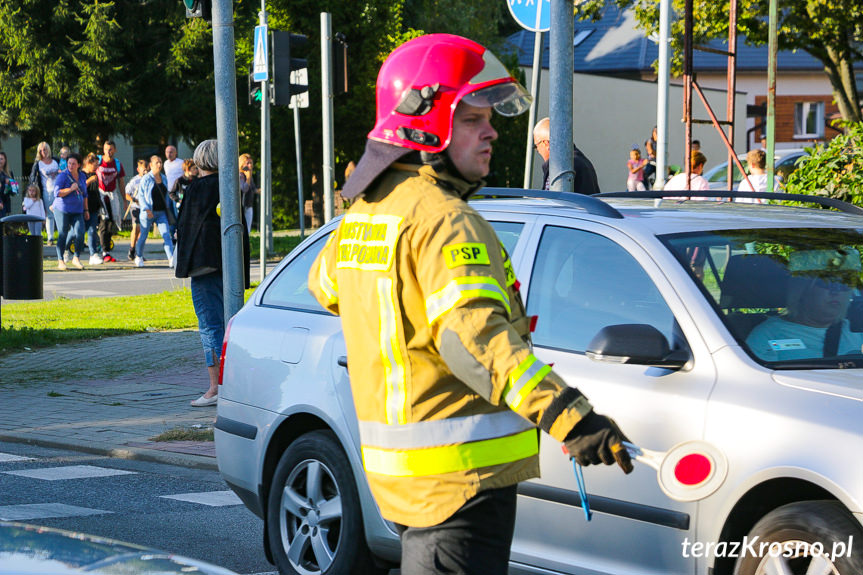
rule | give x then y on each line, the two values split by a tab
809	120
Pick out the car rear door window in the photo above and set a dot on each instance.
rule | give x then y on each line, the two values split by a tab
508	233
582	282
290	289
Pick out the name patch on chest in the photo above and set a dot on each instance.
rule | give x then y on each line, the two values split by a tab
367	242
465	254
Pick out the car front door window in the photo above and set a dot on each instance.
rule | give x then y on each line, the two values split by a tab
582	282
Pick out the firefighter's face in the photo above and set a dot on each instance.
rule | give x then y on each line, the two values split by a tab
470	146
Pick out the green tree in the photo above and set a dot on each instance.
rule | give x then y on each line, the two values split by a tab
81	70
829	30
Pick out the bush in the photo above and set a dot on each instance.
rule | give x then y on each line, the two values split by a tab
834	170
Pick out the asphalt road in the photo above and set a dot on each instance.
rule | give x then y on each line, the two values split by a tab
176	509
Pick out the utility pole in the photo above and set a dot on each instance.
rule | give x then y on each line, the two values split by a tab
327	110
229	174
560	97
662	96
772	48
531	120
265	219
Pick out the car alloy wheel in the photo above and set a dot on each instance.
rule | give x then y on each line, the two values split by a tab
806	538
313	513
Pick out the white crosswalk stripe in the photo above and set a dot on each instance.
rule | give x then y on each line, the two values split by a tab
8	458
210	498
69	472
31	511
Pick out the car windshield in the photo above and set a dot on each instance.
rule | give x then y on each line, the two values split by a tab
791	297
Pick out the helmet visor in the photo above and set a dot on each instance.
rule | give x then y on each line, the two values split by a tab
510	99
506	95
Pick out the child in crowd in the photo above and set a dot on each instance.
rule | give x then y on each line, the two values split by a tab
33	206
635	166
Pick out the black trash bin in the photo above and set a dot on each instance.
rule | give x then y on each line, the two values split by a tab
20	258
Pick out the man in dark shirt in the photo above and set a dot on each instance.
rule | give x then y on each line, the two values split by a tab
584	178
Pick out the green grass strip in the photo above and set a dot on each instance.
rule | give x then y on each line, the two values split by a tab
64	320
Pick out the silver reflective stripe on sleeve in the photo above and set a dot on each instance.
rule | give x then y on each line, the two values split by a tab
467	287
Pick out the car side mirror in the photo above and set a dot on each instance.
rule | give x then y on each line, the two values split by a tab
638	344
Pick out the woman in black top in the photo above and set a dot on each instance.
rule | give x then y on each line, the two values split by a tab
199	256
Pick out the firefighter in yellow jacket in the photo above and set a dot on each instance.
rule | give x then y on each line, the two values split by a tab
448	394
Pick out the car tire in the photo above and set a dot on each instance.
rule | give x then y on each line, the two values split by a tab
315	523
807	522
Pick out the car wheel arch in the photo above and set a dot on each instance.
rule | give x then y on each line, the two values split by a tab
757	502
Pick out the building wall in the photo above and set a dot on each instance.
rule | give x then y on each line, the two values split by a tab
784	129
610	115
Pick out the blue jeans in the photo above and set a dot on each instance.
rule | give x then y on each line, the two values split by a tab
92	235
161	219
209	307
47	200
65	223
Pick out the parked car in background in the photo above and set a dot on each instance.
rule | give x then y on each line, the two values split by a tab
785	162
47	551
646	305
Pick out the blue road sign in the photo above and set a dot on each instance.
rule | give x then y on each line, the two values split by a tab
533	15
260	63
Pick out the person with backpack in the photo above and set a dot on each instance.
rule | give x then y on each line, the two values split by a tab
43	173
111	175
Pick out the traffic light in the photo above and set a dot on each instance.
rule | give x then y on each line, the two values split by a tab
199	9
255	92
287	67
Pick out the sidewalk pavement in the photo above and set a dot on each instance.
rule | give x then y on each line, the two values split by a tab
110	396
154	253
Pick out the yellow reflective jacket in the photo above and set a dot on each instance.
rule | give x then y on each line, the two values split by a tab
447	392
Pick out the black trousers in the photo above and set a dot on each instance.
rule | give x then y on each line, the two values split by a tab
474	541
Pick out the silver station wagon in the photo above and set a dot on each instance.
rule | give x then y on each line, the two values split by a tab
725	336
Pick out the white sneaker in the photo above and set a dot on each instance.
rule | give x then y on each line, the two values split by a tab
95	259
139	263
66	257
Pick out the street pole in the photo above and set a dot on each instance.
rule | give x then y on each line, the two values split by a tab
298	147
327	108
662	96
560	96
772	48
229	173
265	154
531	121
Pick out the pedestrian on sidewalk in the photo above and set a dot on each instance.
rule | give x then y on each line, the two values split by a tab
134	208
33	206
94	204
199	257
111	177
70	209
251	193
153	199
635	171
43	174
8	186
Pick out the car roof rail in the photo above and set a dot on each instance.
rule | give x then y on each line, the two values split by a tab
589	203
678	194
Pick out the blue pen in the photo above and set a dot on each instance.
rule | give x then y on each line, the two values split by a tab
582	491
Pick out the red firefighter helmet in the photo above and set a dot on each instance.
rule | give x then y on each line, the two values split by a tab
422	82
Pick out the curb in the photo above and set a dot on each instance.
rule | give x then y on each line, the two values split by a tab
133	453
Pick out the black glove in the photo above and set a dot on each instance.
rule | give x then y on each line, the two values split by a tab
597	439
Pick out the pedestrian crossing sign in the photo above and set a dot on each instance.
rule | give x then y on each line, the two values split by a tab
260	63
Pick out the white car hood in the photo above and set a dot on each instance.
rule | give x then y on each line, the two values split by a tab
846	383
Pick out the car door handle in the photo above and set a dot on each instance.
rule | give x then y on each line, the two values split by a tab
343	361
